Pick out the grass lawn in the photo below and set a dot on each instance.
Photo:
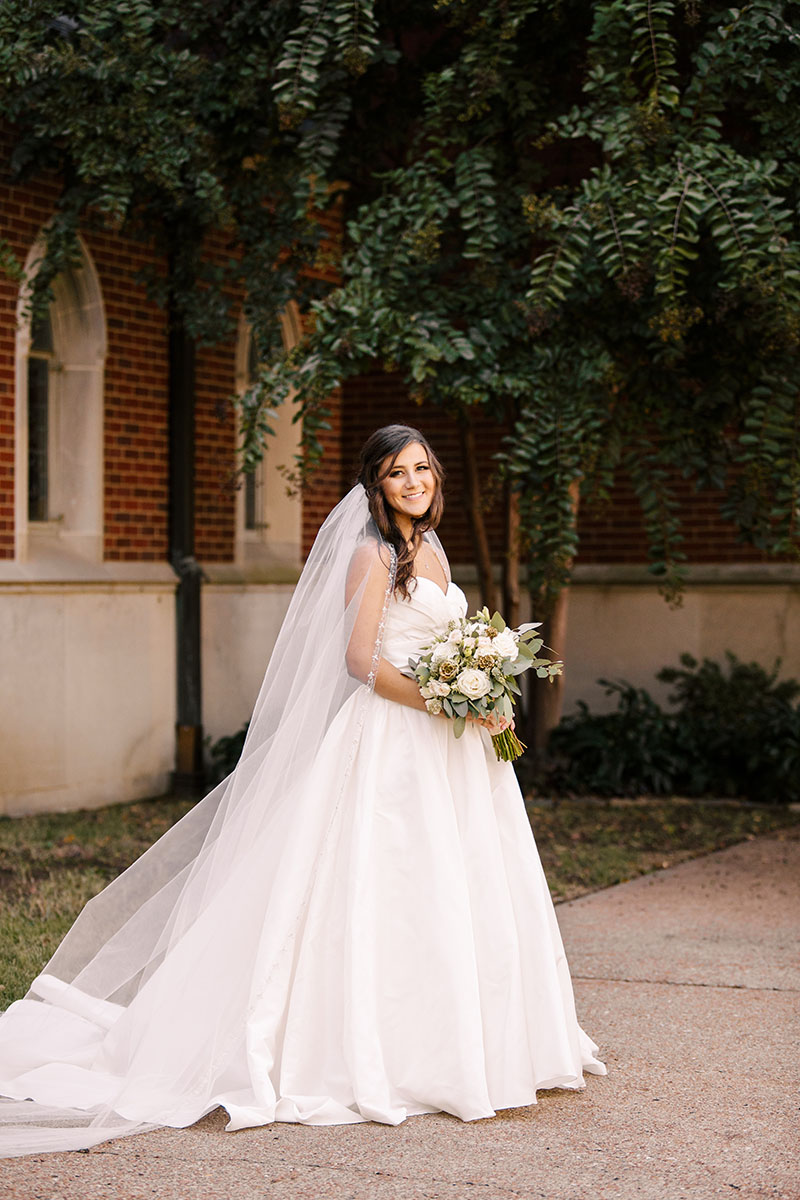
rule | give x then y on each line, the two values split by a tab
51	865
585	846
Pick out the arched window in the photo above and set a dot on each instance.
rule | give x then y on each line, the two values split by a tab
269	522
59	417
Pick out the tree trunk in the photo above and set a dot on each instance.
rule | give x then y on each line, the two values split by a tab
472	495
511	595
549	696
188	777
547	699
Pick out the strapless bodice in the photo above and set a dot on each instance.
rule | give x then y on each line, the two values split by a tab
412	623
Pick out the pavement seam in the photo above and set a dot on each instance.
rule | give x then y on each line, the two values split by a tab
740	987
294	1165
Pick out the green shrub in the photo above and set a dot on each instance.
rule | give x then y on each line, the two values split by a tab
731	732
737	733
628	752
223	755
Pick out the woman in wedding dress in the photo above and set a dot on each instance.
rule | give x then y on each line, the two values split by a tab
353	926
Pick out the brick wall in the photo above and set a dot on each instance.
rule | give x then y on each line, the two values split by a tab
609	533
379	398
135	437
326	487
328	484
136	434
215	454
135	445
613	532
137	425
135	416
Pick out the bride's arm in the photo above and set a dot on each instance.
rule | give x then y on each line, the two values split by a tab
370	571
369	575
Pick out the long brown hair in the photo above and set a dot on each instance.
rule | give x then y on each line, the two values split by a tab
387	443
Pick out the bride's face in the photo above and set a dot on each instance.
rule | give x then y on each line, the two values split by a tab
410	485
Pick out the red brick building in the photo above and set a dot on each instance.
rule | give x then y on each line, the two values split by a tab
87	614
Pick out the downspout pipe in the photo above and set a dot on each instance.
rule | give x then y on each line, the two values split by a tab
188	774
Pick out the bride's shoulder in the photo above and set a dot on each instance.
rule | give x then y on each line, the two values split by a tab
371	558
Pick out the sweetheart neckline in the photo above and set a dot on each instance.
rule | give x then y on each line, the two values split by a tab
450	584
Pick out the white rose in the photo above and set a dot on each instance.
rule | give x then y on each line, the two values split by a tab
425	692
454	636
473	683
441	651
434	707
469	643
505	645
486	646
439	688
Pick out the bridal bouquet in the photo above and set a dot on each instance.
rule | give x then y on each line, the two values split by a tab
471	670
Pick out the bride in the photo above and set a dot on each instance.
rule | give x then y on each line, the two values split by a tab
354	926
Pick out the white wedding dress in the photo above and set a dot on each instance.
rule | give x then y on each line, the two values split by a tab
398	953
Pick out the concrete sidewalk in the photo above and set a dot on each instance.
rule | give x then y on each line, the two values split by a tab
688	979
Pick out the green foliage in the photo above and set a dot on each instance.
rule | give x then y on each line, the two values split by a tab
579	219
628	752
593	234
161	121
738	730
224	754
730	733
52	864
36	916
330	35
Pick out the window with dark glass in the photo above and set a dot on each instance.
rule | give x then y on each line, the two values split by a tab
39	363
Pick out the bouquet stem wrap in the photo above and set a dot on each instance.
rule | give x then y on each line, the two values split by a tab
507	745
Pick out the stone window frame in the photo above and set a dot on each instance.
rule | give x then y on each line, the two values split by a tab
275	537
73	529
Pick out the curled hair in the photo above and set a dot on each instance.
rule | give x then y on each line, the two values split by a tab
387	443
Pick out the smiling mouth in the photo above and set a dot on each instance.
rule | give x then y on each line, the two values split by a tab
413	496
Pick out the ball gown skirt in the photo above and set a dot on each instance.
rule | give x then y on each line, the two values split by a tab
400	956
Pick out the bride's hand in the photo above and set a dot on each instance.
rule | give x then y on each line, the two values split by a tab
494	724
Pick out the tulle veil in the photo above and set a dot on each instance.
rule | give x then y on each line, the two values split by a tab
138	1019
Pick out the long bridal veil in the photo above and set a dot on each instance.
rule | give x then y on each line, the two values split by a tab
138	1019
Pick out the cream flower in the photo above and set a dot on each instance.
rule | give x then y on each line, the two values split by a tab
473	684
438	688
505	645
434	707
